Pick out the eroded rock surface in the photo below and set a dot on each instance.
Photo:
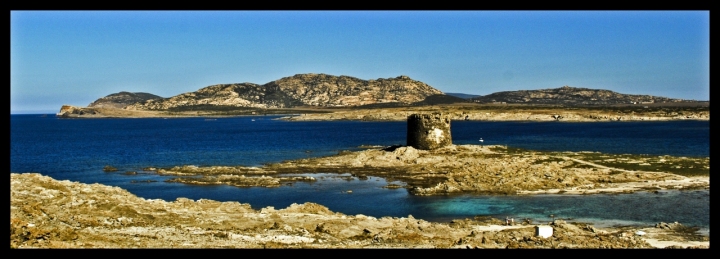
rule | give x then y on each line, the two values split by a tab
473	169
319	90
494	169
46	213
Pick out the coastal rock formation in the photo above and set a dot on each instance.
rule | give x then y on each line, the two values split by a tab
46	213
519	113
319	90
67	111
428	131
122	99
473	169
238	176
571	96
497	169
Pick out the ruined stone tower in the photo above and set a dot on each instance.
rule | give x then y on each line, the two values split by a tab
428	131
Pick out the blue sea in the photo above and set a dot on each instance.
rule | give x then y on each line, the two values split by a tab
78	149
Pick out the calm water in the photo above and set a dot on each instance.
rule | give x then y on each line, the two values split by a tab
77	150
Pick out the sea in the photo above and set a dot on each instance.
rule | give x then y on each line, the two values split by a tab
78	149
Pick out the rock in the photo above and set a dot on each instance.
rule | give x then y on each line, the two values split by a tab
591	228
392	186
406	154
69	111
108	168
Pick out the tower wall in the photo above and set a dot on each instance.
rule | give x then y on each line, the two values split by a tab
428	131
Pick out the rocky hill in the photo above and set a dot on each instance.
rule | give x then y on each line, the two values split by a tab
319	90
122	99
571	96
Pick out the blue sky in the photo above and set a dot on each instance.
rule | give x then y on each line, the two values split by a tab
76	57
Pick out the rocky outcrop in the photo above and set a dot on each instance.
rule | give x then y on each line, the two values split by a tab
328	90
497	169
69	111
238	176
319	90
122	99
571	96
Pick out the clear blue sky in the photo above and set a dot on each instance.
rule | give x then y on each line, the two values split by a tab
75	57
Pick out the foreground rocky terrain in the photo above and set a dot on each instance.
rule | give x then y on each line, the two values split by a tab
46	213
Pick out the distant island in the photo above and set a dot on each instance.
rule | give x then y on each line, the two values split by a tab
328	97
572	96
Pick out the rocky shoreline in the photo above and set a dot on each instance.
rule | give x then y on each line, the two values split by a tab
458	112
489	169
515	113
47	213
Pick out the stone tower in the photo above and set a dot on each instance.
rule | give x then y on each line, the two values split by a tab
428	131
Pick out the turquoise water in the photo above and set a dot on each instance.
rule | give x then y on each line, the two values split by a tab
77	149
